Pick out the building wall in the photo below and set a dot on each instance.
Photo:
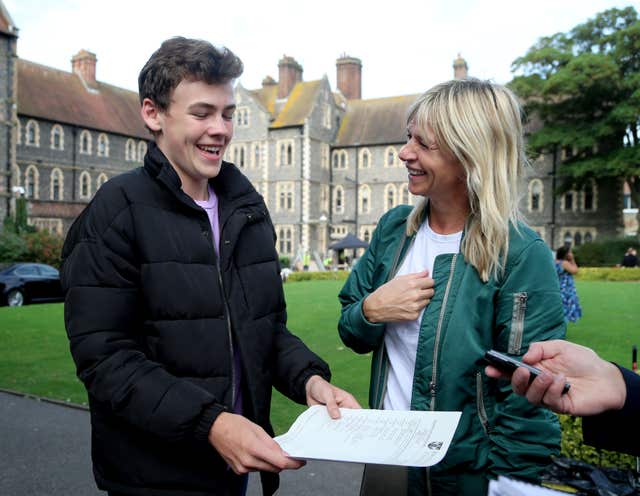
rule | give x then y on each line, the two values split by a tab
7	116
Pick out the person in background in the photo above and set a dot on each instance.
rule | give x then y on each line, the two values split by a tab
452	277
566	267
174	306
630	258
605	394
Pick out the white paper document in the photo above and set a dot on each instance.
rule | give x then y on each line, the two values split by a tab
387	437
510	487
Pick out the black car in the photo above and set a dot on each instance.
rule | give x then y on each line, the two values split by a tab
23	283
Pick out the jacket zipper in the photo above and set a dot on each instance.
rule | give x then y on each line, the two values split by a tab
482	412
517	322
434	375
231	350
382	382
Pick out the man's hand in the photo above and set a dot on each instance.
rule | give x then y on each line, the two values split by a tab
246	447
320	392
401	299
596	385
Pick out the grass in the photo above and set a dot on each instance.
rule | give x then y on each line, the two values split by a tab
35	357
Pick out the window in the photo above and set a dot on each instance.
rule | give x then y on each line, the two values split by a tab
57	137
285	240
31	177
242	117
102	178
238	154
588	237
340	159
32	134
568	202
56	187
285	152
326	116
130	150
577	239
535	195
364	199
338	200
54	226
85	142
365	159
389	197
142	150
403	194
103	145
324	155
366	232
85	185
589	196
256	156
324	197
339	231
391	157
285	197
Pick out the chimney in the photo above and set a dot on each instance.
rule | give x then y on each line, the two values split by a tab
84	65
349	76
290	74
268	81
460	68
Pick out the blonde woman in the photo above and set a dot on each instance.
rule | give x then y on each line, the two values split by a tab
455	276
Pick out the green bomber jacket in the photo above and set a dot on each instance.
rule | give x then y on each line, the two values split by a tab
499	432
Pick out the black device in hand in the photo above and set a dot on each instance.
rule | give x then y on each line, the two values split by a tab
508	364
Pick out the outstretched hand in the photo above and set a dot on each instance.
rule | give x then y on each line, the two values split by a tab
246	447
596	385
400	299
321	392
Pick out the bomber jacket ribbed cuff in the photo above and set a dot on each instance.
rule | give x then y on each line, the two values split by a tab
206	420
368	332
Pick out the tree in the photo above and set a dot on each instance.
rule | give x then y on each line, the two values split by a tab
584	86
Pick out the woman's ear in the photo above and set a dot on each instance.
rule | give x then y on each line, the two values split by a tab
151	115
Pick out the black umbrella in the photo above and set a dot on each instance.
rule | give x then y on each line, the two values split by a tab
349	242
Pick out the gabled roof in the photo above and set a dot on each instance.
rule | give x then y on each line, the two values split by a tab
61	96
376	121
292	111
6	23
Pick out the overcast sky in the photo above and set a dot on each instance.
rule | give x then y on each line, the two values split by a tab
405	46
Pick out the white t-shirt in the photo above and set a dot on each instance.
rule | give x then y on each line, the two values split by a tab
401	338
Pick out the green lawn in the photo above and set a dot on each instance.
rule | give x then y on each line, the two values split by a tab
35	358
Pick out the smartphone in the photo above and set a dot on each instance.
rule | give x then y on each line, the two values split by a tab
508	364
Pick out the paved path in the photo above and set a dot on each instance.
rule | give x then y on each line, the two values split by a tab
44	451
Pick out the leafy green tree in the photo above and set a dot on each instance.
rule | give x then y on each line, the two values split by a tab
584	86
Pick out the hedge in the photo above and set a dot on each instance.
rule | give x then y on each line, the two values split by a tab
329	275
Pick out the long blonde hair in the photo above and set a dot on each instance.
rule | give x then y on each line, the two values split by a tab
481	124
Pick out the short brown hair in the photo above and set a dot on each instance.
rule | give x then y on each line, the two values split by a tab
181	58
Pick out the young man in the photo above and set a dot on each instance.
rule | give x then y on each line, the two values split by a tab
174	304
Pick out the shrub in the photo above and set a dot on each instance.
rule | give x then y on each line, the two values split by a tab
572	447
13	247
329	275
605	252
37	246
285	262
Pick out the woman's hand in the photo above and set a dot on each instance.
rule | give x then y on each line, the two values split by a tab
401	299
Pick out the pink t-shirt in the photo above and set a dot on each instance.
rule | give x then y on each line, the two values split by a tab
211	207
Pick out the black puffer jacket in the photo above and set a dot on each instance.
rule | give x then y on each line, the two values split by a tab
153	319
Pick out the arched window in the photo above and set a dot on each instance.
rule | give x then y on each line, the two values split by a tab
364	203
338	200
56	188
85	185
391	157
289	154
31	179
57	137
365	159
256	155
403	194
389	197
335	159
130	150
535	195
241	162
588	237
103	145
343	159
32	133
577	239
568	201
102	178
142	150
365	234
85	142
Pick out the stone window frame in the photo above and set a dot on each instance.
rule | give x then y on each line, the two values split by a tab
53	225
535	182
285	152
363	231
102	141
364	153
29	171
238	155
325	153
390	150
57	130
242	117
583	197
326	116
390	188
56	173
338	194
101	179
130	150
285	196
84	180
256	155
32	125
85	146
324	197
338	231
142	150
285	236
340	160
587	234
574	206
362	197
